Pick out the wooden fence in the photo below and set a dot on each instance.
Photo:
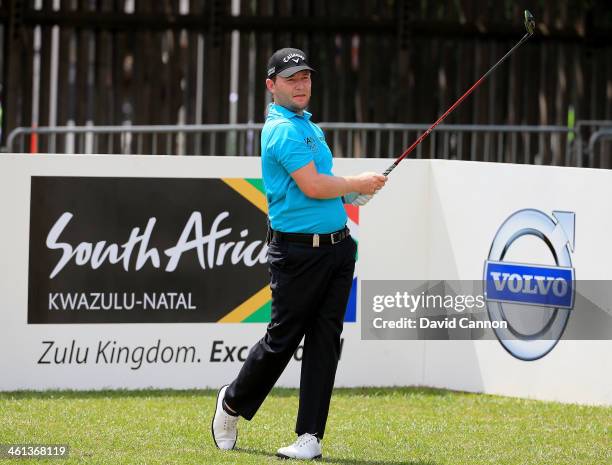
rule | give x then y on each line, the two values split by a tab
112	62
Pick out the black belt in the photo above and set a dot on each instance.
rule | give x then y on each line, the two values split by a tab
313	239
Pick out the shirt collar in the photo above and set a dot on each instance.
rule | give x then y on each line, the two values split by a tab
282	111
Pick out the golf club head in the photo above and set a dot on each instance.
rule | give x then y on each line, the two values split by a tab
529	22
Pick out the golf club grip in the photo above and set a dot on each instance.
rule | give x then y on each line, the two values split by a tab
388	170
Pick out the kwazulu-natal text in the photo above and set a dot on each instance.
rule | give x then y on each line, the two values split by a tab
121	301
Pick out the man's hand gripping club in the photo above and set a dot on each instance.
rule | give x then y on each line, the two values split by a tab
371	184
356	190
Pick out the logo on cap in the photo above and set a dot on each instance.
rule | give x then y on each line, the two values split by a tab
296	57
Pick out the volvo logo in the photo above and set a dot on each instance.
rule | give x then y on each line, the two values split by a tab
535	300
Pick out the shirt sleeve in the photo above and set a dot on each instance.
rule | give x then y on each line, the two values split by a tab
288	147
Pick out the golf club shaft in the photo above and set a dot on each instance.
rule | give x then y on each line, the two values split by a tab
455	105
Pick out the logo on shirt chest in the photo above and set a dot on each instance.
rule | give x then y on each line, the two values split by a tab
311	142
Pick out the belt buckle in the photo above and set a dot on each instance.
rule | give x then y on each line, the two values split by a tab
315	240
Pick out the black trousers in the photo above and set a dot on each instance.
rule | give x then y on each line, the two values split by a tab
310	288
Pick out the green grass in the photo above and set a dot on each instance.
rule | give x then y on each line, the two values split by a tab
366	426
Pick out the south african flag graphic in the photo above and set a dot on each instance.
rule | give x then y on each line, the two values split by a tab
256	309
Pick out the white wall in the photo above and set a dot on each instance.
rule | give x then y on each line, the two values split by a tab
434	220
472	200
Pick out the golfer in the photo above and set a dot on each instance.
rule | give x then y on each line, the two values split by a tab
311	259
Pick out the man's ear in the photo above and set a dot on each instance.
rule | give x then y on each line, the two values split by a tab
270	85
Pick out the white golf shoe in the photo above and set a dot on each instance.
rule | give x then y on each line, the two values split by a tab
224	430
305	447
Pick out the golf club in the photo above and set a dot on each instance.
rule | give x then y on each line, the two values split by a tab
530	26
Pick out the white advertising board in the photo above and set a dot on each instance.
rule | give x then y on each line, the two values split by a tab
434	220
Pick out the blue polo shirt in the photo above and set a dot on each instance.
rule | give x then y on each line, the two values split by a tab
289	142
